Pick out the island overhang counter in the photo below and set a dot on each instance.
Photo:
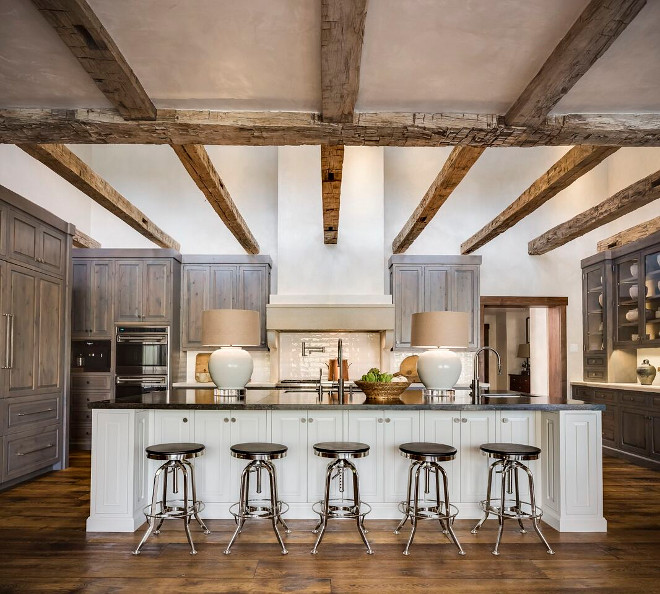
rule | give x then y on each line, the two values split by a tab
568	476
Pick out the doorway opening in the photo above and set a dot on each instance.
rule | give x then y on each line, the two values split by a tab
530	335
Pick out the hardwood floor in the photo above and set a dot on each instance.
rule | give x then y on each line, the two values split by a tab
44	548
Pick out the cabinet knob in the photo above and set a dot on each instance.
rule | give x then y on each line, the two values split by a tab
649	418
505	420
457	420
303	420
185	419
233	419
226	419
311	420
380	420
387	420
463	420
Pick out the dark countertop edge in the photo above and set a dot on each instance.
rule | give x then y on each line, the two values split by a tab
104	404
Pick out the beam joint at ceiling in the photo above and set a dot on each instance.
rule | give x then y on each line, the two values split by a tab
82	32
197	162
573	165
82	240
66	164
631	198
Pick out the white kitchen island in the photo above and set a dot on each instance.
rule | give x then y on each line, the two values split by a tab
568	476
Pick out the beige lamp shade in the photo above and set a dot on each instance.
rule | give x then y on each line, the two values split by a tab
230	327
440	329
523	350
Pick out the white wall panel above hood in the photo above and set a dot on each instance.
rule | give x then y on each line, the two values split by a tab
330	317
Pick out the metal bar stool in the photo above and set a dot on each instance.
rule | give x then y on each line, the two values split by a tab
508	457
176	456
272	508
424	458
341	452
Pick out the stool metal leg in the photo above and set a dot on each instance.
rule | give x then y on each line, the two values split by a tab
518	510
409	493
242	506
186	519
506	469
194	496
535	520
280	519
443	523
164	500
152	520
447	507
274	503
356	498
413	519
326	505
480	523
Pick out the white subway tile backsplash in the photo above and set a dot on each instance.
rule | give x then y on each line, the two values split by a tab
261	361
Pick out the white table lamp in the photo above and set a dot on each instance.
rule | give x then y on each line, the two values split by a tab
230	366
439	368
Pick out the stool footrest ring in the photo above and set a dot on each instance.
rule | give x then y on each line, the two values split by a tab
521	511
341	509
429	512
259	509
174	510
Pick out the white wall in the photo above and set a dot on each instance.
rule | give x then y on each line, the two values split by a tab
355	264
539	353
515	335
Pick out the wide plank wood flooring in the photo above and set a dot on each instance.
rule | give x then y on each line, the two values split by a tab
44	548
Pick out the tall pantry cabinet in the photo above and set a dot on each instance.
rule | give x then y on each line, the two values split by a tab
35	251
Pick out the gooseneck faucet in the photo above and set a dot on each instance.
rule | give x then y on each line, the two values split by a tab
340	365
476	389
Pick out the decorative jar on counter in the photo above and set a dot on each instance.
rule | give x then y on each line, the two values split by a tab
646	373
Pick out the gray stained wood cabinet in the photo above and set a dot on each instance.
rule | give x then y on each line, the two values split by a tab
434	283
630	422
85	388
222	286
34	335
143	290
92	303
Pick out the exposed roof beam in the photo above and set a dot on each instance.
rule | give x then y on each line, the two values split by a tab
198	164
631	198
629	235
342	30
67	165
574	164
601	22
82	240
103	126
453	171
82	32
332	160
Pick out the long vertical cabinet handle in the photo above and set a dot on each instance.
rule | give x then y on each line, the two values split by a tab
7	340
11	342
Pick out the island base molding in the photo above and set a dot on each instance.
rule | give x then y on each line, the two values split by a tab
568	477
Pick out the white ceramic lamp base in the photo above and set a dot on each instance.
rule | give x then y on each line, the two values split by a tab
439	369
230	368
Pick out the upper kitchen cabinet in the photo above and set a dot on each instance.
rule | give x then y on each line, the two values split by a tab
143	290
91	311
650	296
434	283
222	282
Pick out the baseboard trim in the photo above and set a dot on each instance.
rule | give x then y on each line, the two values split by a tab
639	460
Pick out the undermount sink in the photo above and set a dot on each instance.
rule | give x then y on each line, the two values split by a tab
504	394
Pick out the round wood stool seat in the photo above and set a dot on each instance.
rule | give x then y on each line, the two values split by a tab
258	451
425	450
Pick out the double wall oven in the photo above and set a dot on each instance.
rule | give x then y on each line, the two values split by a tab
141	359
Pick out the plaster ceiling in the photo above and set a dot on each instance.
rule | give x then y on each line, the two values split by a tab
430	55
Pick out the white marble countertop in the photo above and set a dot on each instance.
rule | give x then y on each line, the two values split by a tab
654	388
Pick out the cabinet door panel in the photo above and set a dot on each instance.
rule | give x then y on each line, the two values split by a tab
610	426
399	427
246	426
655	436
53	249
290	428
367	427
195	301
172	426
436	288
49	335
465	297
634	435
101	299
212	428
322	426
156	305
408	293
445	427
23	238
253	293
3	229
476	428
128	291
81	299
21	302
517	427
223	293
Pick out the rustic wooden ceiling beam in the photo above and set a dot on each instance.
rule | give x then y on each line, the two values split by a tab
453	171
629	235
198	164
574	164
631	198
69	166
107	126
342	31
82	240
81	30
601	22
332	160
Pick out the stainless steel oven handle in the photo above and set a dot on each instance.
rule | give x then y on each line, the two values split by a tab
141	381
142	339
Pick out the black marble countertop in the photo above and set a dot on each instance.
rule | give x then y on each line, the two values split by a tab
412	399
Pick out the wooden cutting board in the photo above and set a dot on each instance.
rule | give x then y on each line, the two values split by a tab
408	368
202	367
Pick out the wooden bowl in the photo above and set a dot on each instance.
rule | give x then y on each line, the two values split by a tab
382	391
